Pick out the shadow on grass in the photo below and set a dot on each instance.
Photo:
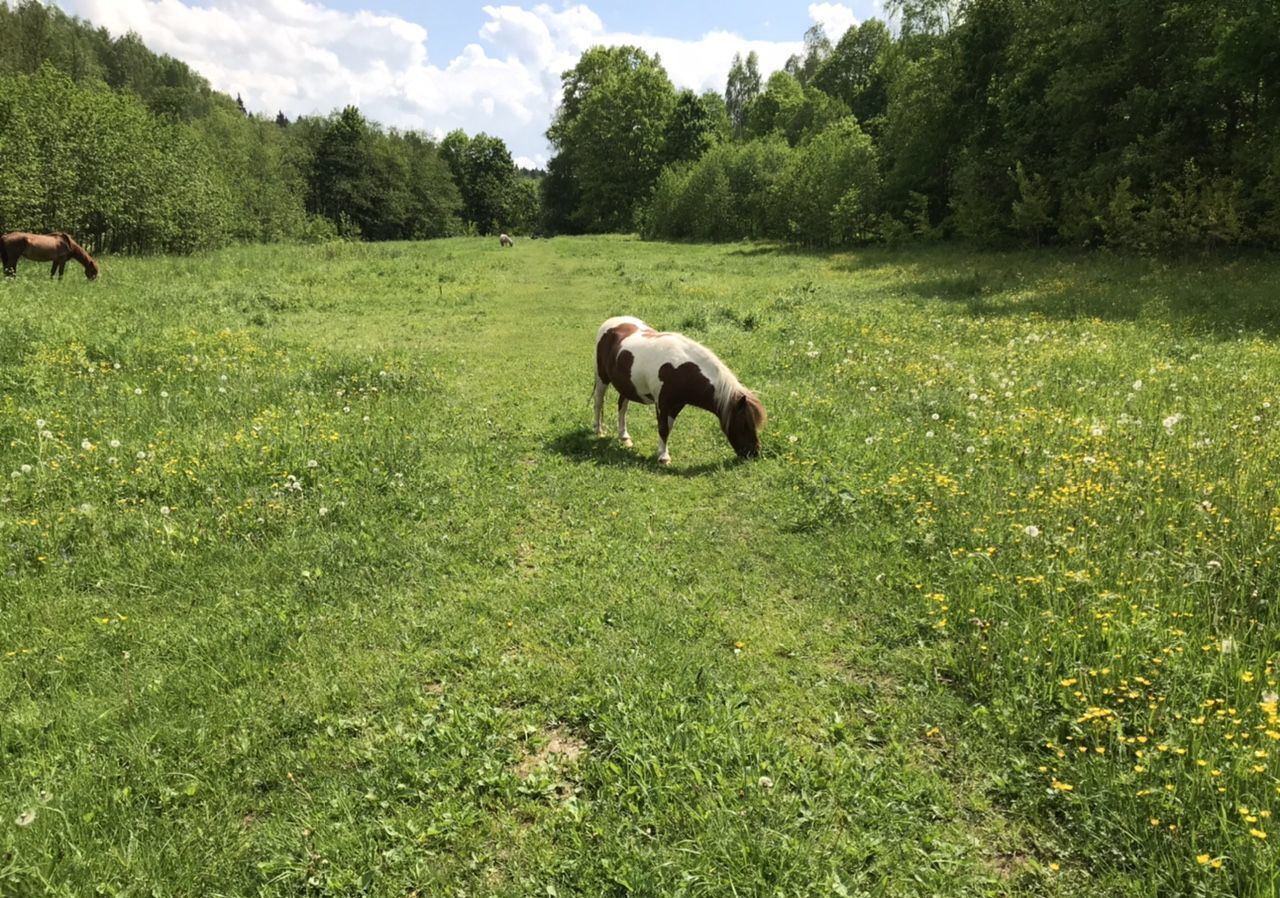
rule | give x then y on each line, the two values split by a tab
1211	296
581	445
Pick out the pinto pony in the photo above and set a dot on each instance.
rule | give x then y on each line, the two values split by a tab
505	240
671	371
56	248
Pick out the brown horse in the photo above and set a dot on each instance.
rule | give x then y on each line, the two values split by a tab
56	248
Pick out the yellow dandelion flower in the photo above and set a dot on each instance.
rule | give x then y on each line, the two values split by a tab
1061	786
1202	859
1257	834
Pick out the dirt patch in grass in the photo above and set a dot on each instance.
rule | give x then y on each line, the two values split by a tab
561	747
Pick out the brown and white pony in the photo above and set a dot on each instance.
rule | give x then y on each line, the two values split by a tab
671	371
504	240
56	248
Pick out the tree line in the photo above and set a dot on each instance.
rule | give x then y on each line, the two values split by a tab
134	152
1147	125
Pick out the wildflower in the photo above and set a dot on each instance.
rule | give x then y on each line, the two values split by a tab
1137	385
137	391
1247	676
26	818
312	463
165	509
1061	786
86	445
1257	834
1031	530
323	511
40	423
1171	422
1202	859
114	444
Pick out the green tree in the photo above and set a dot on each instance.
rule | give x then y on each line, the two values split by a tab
741	89
609	129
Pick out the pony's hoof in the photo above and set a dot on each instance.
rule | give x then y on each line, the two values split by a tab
626	442
600	434
664	460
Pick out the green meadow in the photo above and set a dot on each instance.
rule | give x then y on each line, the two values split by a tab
315	581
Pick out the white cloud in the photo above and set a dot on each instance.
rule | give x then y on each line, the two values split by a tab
835	19
303	58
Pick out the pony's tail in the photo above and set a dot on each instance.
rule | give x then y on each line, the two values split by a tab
4	254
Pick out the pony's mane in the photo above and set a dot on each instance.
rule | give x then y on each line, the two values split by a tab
728	388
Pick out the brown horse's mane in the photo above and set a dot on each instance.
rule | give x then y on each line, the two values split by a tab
78	252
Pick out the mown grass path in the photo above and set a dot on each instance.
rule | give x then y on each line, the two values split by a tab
319	583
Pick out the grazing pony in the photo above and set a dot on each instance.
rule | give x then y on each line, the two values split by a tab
505	240
56	248
672	371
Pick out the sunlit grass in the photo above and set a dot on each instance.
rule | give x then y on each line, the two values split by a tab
315	580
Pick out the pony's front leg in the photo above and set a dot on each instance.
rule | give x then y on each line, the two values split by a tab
598	399
666	420
623	437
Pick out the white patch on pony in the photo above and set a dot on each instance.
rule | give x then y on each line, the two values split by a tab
652	351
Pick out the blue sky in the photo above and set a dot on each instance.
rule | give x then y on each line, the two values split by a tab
437	66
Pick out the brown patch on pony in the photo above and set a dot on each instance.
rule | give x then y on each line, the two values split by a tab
614	366
685	385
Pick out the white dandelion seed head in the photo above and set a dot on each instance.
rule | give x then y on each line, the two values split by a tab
312	463
1137	385
26	818
1227	646
114	444
25	469
141	455
40	423
137	391
46	434
85	508
1171	422
86	445
1031	530
928	434
165	510
323	511
164	394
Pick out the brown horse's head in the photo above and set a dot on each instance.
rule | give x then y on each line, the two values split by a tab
745	419
91	269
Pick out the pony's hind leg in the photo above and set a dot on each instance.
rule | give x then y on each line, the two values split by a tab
598	399
623	437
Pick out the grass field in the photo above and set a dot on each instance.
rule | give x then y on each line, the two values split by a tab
315	581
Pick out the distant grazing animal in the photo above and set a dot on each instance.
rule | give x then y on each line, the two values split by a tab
56	248
672	371
505	240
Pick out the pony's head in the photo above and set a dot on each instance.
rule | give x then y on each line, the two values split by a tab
743	422
90	269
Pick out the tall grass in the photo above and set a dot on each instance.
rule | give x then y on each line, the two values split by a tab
315	580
